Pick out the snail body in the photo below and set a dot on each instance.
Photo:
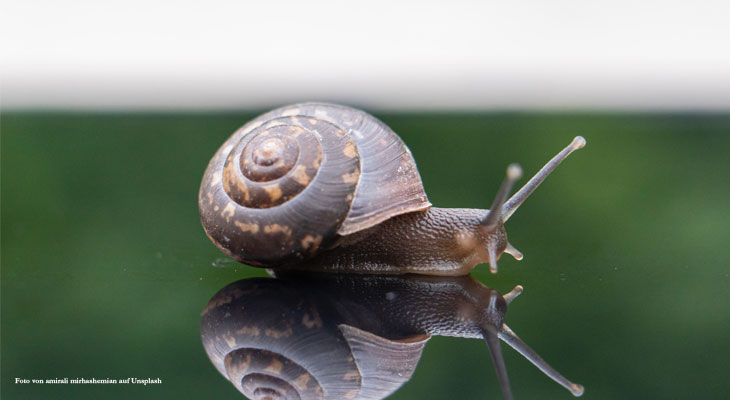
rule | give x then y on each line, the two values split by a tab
340	336
331	188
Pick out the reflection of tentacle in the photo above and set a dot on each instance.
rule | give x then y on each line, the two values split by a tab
495	350
513	340
513	294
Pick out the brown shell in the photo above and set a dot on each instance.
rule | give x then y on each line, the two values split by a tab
288	182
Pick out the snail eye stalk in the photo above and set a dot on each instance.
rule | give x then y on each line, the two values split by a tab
514	172
516	201
493	220
502	209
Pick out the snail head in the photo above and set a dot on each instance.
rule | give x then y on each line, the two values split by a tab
492	232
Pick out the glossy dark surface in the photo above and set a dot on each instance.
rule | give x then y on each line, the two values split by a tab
105	268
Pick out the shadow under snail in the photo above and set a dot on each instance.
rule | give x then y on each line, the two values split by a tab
331	188
335	336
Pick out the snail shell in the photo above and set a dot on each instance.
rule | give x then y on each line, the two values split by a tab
294	178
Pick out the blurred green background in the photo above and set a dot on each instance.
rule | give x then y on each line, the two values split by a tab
105	268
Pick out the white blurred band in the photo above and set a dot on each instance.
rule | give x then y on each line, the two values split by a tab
563	54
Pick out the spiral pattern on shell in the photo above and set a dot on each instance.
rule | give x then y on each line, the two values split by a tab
287	183
274	163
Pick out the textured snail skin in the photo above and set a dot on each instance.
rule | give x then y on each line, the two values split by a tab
344	336
437	241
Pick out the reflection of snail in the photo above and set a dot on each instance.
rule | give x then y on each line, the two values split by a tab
335	186
346	337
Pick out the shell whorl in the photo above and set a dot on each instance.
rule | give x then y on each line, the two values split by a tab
287	183
274	163
281	191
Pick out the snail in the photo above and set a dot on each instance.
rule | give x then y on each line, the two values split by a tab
331	188
344	336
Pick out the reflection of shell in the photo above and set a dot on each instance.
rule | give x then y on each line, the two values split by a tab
261	373
272	342
337	336
286	183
